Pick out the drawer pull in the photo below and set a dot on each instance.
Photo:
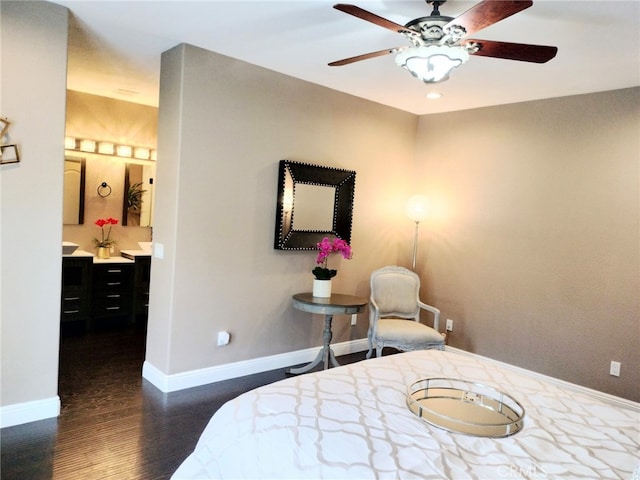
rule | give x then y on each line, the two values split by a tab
112	308
71	299
113	284
113	296
115	270
68	312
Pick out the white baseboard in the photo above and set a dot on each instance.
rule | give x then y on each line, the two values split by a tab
195	378
26	412
602	396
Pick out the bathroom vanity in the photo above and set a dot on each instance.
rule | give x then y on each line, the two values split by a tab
141	279
75	304
96	291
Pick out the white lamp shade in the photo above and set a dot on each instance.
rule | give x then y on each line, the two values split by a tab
417	208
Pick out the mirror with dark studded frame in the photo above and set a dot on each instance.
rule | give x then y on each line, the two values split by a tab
313	202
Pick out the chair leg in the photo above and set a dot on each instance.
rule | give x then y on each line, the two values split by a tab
370	349
370	344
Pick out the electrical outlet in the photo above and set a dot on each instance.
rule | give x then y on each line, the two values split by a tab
223	338
354	319
614	369
449	326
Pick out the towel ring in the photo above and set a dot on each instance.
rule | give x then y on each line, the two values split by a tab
104	190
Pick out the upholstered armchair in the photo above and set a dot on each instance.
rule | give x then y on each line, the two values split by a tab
394	313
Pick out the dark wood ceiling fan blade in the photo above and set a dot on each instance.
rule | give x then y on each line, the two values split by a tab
373	18
514	51
365	56
487	13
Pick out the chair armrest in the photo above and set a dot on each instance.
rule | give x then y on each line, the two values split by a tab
435	311
373	311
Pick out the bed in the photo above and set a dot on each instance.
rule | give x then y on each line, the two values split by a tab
353	422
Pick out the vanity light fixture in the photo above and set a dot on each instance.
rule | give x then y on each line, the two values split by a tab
106	148
87	146
124	151
109	148
141	153
70	143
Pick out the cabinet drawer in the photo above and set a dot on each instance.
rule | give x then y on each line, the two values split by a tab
113	277
75	304
111	300
74	308
112	290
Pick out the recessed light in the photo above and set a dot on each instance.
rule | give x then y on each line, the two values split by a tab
433	95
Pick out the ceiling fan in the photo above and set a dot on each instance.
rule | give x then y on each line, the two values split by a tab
440	43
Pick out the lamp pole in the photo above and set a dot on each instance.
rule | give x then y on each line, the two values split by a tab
415	247
416	210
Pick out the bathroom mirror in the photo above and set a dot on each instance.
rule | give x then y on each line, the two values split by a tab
74	184
313	202
138	195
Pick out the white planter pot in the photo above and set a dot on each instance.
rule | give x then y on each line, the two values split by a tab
321	288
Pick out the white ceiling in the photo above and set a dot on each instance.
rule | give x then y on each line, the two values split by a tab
115	48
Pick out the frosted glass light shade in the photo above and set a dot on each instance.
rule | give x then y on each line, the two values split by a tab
417	208
124	150
106	148
87	146
70	143
141	153
432	63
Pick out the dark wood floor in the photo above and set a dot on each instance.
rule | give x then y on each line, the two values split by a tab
114	424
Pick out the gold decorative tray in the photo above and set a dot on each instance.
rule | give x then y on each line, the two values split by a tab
465	407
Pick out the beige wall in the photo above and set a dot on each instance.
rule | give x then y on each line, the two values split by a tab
534	251
223	127
34	52
100	118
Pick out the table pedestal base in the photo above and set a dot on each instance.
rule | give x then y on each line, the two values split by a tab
325	355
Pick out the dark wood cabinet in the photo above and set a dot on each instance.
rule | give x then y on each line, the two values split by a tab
99	292
75	304
141	279
112	290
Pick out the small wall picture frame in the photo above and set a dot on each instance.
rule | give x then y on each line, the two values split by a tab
9	154
4	126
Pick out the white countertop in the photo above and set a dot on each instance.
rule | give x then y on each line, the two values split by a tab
112	259
132	254
79	253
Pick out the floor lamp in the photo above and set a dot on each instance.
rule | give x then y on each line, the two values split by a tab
417	209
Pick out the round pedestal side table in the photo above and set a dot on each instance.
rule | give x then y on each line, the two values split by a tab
337	303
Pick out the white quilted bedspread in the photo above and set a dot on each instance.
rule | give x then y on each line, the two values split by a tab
352	422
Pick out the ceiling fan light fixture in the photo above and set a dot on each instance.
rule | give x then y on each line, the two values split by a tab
432	63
